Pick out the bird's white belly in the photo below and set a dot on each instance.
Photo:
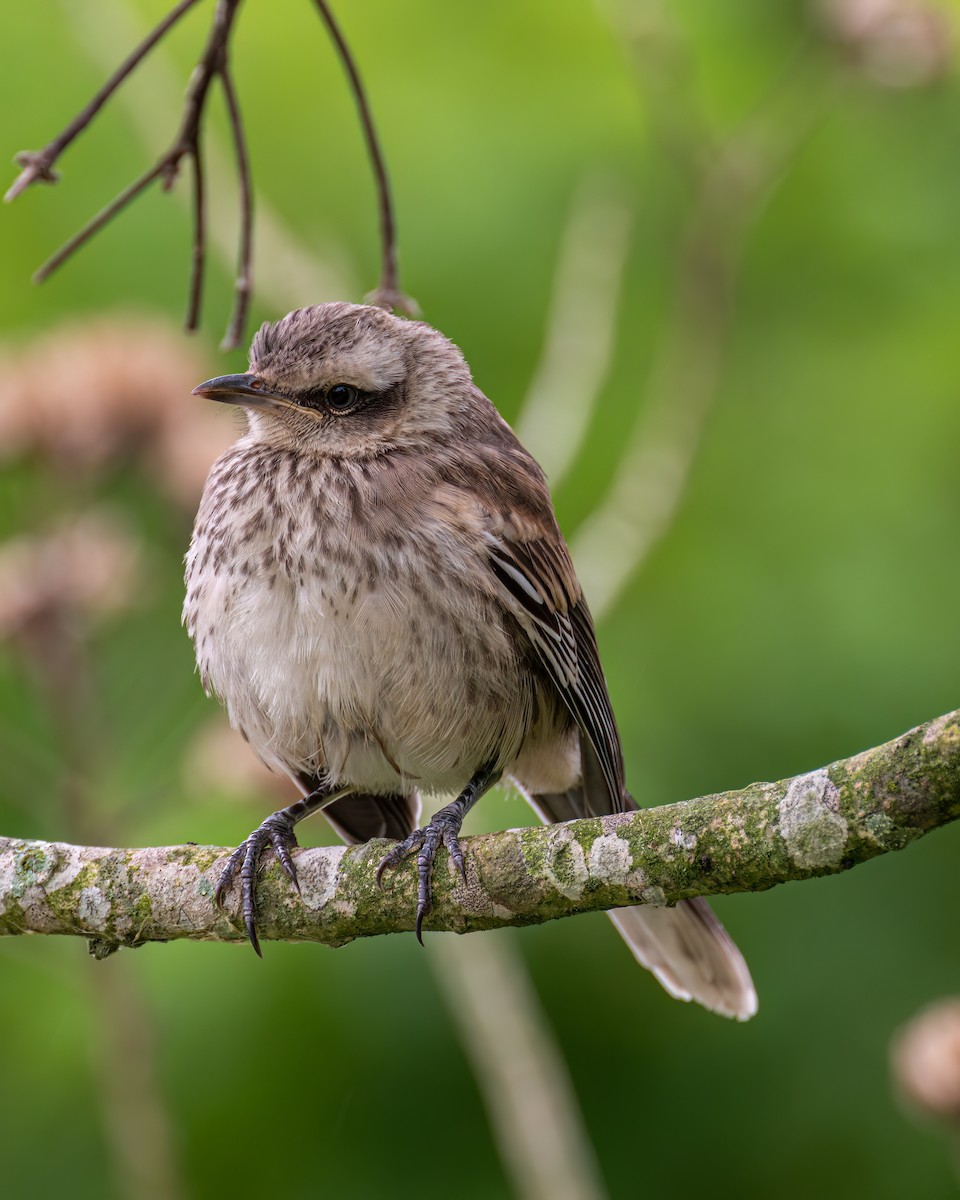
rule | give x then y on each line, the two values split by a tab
359	687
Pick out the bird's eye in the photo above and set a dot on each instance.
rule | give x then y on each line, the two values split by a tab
342	397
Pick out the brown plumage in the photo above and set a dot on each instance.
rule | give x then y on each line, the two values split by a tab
378	591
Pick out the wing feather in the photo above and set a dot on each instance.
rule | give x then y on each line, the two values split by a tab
538	577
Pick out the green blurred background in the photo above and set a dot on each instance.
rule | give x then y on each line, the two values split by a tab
798	605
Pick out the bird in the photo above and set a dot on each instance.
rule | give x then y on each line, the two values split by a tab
379	593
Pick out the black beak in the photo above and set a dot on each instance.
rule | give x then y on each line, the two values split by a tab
240	389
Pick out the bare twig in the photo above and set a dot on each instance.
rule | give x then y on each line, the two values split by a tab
387	293
186	145
820	823
38	164
199	249
214	63
244	281
290	272
97	223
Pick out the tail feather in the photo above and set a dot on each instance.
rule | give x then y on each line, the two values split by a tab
691	955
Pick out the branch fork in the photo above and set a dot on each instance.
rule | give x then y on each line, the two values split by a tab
38	166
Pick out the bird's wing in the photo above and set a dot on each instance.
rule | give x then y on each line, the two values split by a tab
543	593
500	497
685	947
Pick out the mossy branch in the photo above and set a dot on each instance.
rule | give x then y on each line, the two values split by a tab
744	841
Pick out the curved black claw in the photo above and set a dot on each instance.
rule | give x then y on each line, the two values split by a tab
276	832
442	829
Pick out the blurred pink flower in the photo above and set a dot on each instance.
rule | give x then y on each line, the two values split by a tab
86	567
89	394
896	43
925	1060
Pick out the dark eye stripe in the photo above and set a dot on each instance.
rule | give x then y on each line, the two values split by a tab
314	398
340	398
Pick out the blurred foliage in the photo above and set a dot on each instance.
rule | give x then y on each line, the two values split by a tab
802	605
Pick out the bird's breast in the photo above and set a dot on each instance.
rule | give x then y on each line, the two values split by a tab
347	636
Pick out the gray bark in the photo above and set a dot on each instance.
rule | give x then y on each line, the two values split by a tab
819	823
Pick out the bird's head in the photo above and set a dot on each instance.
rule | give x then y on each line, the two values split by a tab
348	380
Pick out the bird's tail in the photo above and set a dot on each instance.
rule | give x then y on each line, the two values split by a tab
685	946
691	954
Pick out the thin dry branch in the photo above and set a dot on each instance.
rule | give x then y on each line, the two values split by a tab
186	145
214	63
387	293
38	164
243	287
819	823
290	271
198	254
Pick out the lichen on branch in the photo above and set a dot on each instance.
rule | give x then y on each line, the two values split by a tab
825	821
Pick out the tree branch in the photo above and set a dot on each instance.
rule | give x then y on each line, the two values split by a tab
38	166
243	285
749	840
387	293
212	63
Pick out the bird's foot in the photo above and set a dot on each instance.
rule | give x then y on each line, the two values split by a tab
442	830
276	832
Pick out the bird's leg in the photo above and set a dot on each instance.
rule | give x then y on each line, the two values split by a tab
443	828
276	831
